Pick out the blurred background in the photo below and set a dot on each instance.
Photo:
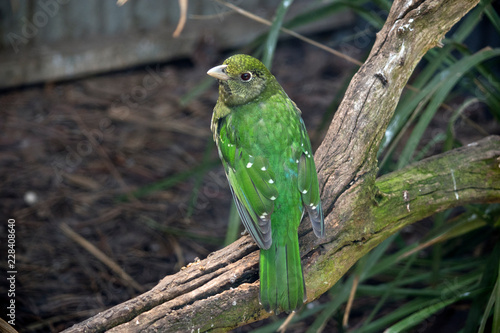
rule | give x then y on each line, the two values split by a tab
108	167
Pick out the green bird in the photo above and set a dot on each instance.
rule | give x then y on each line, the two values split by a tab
266	153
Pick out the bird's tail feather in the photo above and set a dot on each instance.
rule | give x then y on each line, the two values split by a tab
282	285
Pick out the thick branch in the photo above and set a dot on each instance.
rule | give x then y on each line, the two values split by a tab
220	292
349	149
464	175
438	183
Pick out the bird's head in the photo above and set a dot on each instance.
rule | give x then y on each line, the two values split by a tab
242	79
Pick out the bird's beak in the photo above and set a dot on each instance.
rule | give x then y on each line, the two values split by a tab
218	72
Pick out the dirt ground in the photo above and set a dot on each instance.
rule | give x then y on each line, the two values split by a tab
72	154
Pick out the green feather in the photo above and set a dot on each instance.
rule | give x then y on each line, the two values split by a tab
267	157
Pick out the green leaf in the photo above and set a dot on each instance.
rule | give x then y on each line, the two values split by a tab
438	138
493	300
373	258
450	130
492	16
401	312
389	289
459	226
421	315
488	282
274	31
445	83
435	59
496	296
341	294
303	314
233	227
400	122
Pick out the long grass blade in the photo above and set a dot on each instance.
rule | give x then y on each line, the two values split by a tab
341	294
493	300
450	130
492	16
404	311
274	31
233	227
421	315
435	59
389	290
496	295
447	82
308	312
488	280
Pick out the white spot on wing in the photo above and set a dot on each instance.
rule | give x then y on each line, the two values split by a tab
271	181
249	165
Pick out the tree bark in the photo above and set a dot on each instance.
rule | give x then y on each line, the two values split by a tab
220	292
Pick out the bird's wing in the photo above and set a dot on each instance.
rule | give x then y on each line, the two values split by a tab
308	184
252	185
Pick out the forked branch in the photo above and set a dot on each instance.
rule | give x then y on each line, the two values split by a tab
220	292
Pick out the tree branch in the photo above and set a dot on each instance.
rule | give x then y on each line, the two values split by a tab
464	175
221	292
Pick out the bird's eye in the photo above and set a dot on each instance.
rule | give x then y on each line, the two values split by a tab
246	76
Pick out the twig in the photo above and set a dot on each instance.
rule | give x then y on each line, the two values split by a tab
345	320
329	50
283	326
290	32
5	327
183	4
101	257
